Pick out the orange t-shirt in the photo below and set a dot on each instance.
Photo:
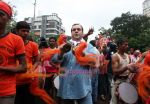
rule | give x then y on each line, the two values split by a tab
11	45
31	50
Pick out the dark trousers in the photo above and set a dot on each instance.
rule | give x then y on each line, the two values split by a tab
104	87
48	87
23	95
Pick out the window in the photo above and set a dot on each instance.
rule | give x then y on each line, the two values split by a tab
39	26
52	24
34	27
49	26
52	31
36	31
57	27
47	31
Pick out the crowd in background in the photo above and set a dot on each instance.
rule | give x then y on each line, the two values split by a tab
87	71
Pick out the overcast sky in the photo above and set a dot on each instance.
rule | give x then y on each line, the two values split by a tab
90	13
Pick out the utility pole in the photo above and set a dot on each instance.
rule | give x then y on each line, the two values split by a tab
33	19
33	16
34	9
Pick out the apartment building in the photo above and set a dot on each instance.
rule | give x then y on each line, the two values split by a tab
146	8
46	25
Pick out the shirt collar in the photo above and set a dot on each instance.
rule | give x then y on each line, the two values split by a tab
74	43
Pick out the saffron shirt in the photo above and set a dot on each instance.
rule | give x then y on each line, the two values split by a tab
31	50
11	46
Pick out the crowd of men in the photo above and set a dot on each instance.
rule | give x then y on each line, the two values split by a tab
87	71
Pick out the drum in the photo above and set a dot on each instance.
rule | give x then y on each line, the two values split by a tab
56	82
128	93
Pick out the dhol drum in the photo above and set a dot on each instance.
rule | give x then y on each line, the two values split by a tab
127	93
56	82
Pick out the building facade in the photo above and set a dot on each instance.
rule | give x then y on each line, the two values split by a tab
146	8
46	25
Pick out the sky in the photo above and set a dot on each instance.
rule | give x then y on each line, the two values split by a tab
89	13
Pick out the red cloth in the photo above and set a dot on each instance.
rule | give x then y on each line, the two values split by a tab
48	67
51	69
148	101
147	59
6	8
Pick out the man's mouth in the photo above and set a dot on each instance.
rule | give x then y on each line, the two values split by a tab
76	36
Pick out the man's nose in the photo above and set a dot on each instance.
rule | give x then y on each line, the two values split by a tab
26	33
76	30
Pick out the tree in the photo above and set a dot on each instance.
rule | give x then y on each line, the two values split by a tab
130	25
105	32
133	26
141	42
11	25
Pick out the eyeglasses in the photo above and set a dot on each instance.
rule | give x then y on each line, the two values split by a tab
78	29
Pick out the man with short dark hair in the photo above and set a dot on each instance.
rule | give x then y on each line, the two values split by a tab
52	42
121	67
23	95
75	85
11	50
31	48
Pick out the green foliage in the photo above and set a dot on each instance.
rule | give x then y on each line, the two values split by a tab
106	32
141	42
130	25
135	27
33	37
11	25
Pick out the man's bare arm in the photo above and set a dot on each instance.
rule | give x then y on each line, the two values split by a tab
85	37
